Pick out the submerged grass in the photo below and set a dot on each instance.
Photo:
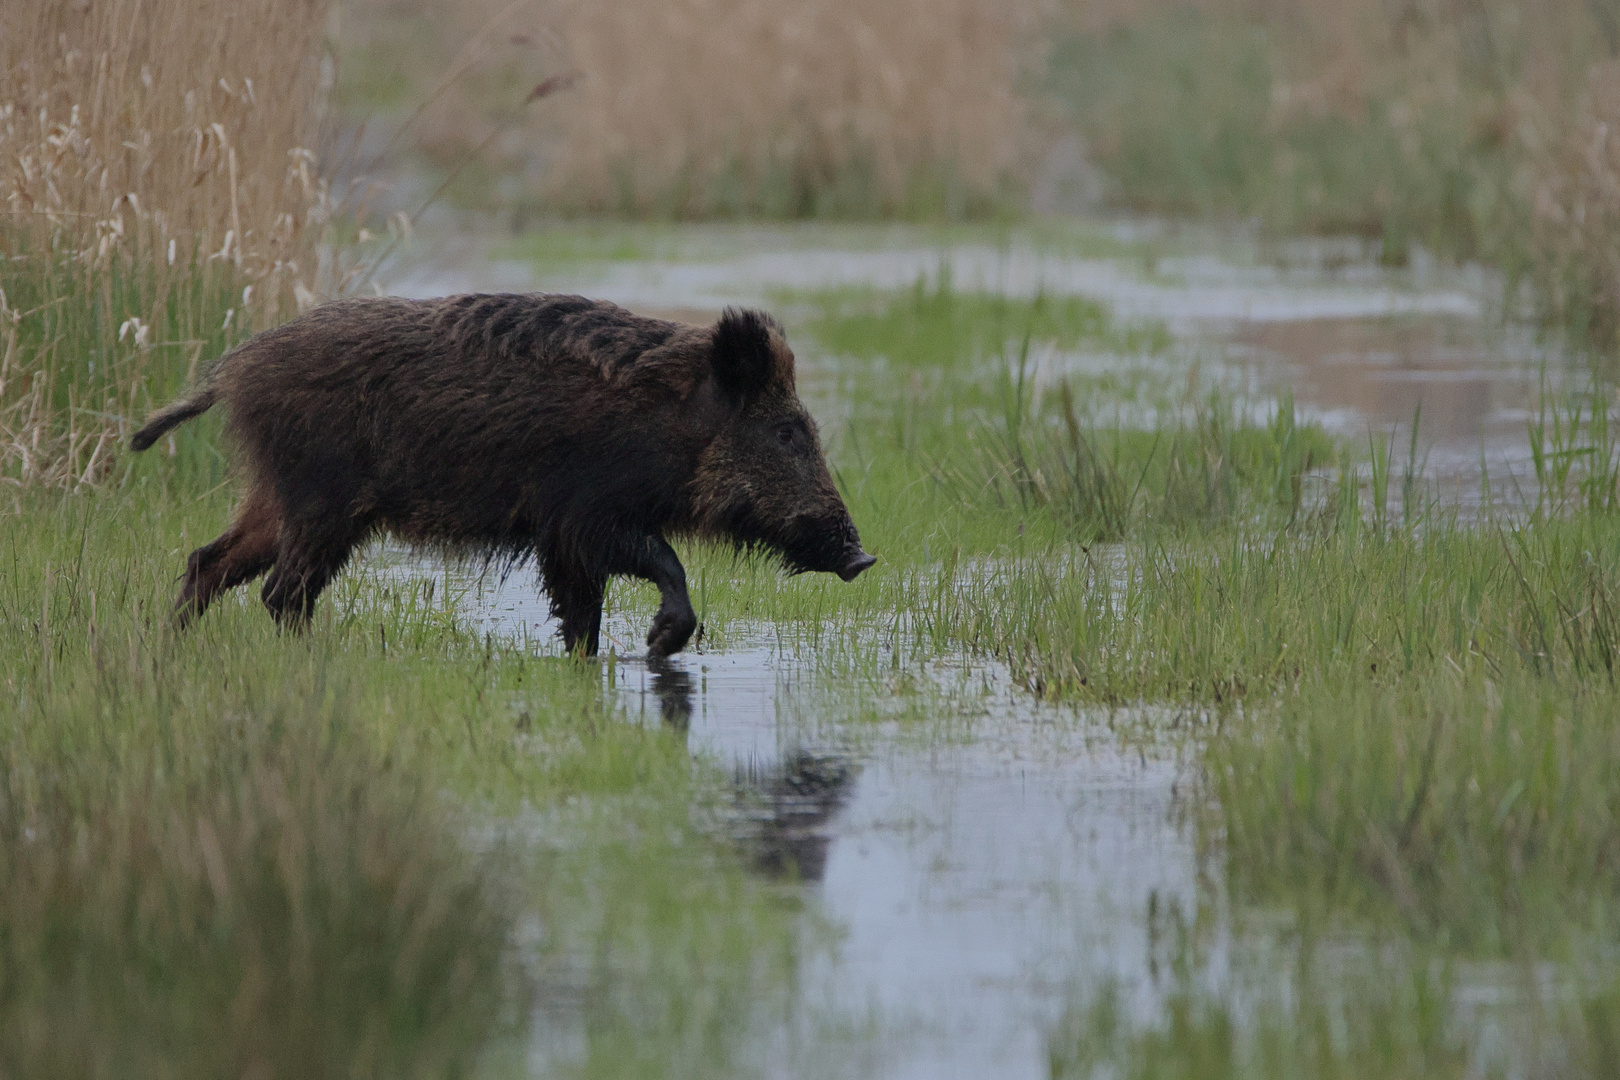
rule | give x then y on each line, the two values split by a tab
1393	1026
936	324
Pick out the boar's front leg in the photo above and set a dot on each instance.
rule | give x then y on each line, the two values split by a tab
657	562
576	589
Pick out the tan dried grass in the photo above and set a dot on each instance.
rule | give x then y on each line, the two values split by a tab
686	93
1576	216
157	197
702	107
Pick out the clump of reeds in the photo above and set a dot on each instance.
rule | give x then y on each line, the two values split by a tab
158	199
210	865
1210	465
287	912
684	109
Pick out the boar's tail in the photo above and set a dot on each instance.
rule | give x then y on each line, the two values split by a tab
199	401
171	416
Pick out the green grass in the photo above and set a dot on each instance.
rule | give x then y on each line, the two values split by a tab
938	325
80	371
1235	612
969	433
238	851
1477	808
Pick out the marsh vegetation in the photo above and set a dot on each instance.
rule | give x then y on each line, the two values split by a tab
1375	719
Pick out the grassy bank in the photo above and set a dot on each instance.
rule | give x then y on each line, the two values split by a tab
381	850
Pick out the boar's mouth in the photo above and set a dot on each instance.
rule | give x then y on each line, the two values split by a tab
829	546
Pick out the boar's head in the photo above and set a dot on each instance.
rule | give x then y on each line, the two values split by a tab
763	481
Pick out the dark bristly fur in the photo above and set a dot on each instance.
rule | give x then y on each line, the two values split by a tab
516	425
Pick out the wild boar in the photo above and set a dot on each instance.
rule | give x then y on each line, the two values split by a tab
514	426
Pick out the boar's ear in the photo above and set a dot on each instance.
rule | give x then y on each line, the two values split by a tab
745	356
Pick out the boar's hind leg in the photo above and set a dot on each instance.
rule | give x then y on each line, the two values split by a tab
240	554
309	558
656	561
576	593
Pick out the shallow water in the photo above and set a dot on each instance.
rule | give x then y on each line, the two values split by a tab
985	861
975	878
1187	294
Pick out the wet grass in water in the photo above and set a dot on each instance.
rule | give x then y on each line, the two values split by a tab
1390	1023
1410	716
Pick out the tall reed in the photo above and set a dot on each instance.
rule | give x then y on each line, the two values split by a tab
689	109
159	199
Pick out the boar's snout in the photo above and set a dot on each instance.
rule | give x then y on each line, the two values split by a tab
846	557
854	563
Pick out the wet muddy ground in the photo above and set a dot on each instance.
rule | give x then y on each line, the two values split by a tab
983	862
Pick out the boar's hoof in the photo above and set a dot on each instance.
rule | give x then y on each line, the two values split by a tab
671	629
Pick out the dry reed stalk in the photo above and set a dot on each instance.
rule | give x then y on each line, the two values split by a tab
1577	214
154	185
693	107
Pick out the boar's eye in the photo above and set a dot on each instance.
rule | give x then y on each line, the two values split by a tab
784	432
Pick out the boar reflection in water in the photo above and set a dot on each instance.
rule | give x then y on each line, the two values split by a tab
783	809
519	426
